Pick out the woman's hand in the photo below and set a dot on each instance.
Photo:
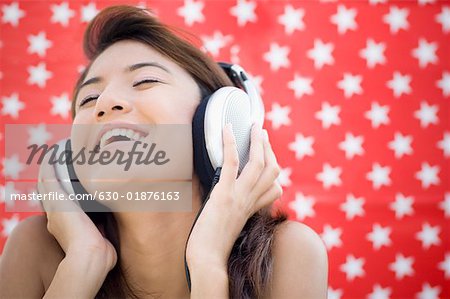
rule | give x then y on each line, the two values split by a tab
233	201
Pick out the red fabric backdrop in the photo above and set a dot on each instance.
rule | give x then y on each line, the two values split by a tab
357	96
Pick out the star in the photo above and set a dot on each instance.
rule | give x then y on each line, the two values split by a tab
352	207
353	267
429	292
444	84
401	145
257	81
244	11
301	86
428	175
350	84
329	176
303	206
425	53
279	116
38	75
402	205
192	12
277	57
328	115
38	44
445	266
331	236
427	114
61	13
444	144
9	224
214	43
38	135
375	2
379	236
429	235
424	2
397	19
344	19
334	294
61	105
12	167
379	176
12	14
234	54
302	146
378	115
321	54
88	12
373	53
400	84
402	266
292	19
352	145
444	19
284	177
12	105
379	292
444	205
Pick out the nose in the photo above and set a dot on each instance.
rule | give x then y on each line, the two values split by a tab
107	106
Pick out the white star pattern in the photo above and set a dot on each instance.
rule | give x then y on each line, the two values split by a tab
191	11
284	177
321	53
352	145
277	57
217	41
429	292
334	294
352	207
302	146
9	224
331	236
427	114
344	19
38	75
425	53
379	176
402	206
12	167
402	266
88	12
375	2
244	11
330	176
350	84
38	135
12	14
279	116
353	267
424	2
444	205
444	84
378	292
428	175
443	18
445	265
429	235
444	144
292	19
12	105
303	206
38	44
401	145
301	86
400	84
378	115
61	13
373	53
328	115
397	18
379	236
61	105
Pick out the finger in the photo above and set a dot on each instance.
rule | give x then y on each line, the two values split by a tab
255	164
270	172
272	194
230	165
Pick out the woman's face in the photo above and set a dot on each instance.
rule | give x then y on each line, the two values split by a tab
120	94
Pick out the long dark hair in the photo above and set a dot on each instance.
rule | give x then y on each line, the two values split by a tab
250	261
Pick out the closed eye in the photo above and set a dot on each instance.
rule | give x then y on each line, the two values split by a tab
145	81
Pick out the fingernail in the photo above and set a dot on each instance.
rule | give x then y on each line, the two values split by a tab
266	135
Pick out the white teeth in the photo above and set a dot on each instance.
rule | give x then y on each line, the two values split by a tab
133	135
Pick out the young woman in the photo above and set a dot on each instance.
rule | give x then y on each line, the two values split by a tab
236	249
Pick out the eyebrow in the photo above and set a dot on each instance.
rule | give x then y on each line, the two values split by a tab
130	68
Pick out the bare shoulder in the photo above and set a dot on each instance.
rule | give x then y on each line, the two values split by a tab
29	260
300	263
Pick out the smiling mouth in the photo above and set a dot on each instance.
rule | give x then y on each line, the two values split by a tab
120	134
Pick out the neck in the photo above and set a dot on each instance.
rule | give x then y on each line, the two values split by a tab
152	248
